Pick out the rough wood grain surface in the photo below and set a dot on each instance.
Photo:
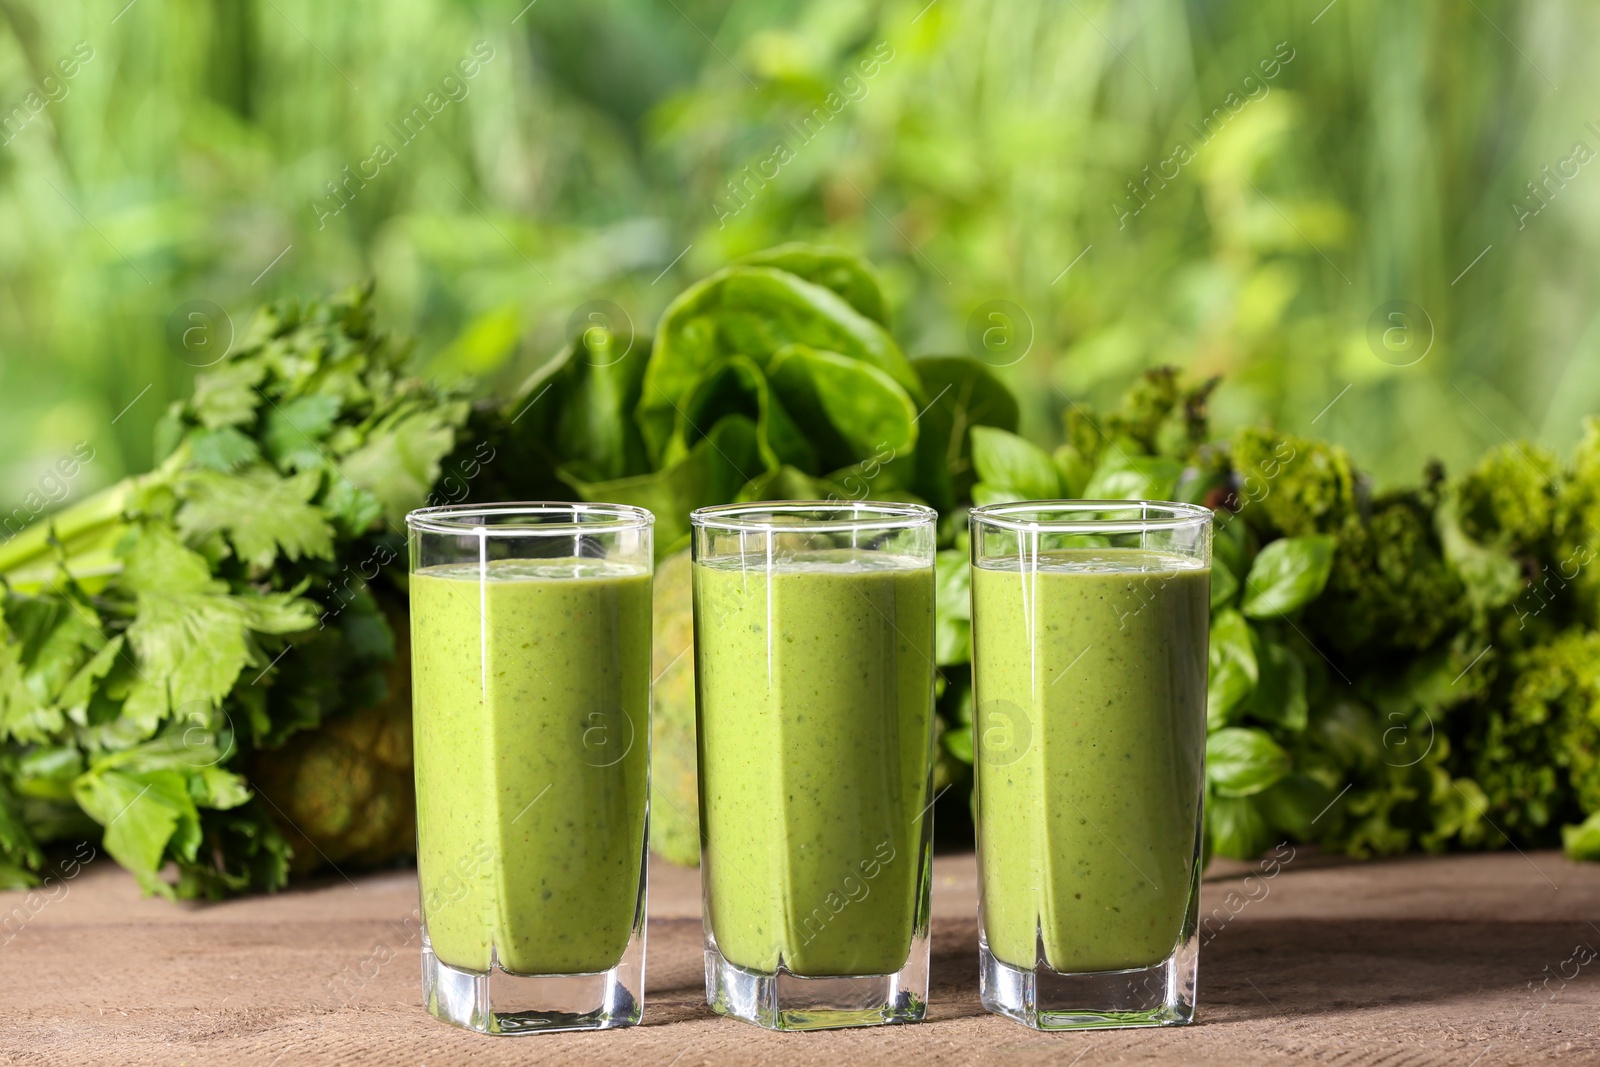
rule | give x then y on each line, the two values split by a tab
1468	960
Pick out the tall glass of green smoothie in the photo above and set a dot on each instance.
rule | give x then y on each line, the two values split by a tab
1089	635
530	661
814	682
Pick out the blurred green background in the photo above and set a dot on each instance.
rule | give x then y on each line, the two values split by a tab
1386	208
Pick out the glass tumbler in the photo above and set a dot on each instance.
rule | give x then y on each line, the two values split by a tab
814	684
530	658
1090	626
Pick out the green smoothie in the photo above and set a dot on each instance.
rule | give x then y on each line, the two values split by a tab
1089	676
532	725
815	689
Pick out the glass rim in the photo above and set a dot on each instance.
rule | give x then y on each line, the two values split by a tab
1053	516
757	516
579	516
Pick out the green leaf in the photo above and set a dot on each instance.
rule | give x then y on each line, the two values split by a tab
1074	469
953	617
1121	476
294	429
1237	828
866	409
1013	465
962	393
141	814
713	472
790	483
1241	762
1294	805
844	272
581	404
190	637
958	742
1287	574
1233	669
1223	584
399	462
754	312
1491	576
227	396
259	512
1280	695
1582	842
736	386
222	449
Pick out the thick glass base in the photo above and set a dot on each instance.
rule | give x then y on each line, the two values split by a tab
499	1002
1162	995
785	1001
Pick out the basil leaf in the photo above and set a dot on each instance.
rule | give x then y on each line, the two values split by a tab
1074	470
1121	476
1280	696
1233	670
1013	466
1236	828
1241	762
1223	584
1294	805
845	273
1287	574
1582	842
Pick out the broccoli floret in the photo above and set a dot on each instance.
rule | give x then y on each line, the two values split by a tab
1290	486
1157	414
1536	748
1390	587
1509	500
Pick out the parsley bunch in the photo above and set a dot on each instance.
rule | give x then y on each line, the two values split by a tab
159	640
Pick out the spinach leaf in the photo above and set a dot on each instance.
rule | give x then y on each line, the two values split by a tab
846	274
867	411
1287	574
962	393
1241	762
713	472
754	311
735	385
581	405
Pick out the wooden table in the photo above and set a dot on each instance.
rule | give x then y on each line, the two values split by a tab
1467	960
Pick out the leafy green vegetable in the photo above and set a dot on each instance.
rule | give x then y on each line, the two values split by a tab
754	312
962	394
1123	477
1011	468
160	640
1287	574
1241	762
1236	827
1233	668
